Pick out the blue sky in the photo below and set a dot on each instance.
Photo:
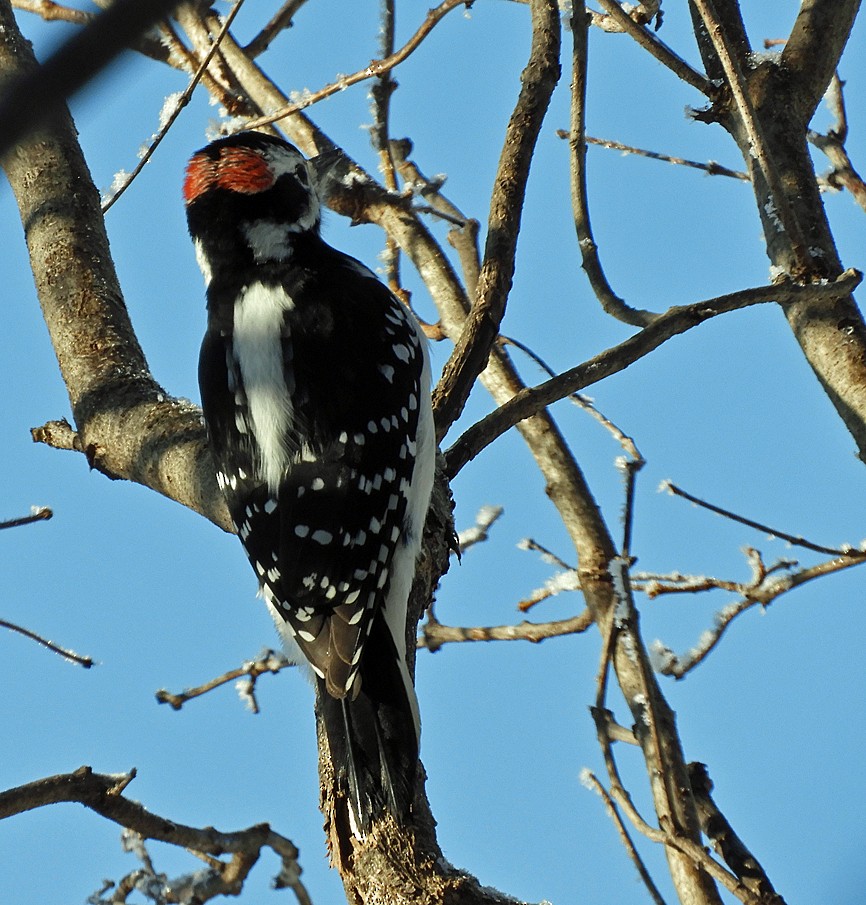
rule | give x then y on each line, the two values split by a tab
730	411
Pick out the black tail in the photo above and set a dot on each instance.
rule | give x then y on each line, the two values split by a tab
373	738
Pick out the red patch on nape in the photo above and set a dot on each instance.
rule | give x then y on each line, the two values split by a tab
201	174
243	170
237	169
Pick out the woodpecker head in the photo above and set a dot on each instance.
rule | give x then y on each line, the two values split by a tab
248	197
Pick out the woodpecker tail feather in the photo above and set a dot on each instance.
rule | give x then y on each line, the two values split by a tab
373	737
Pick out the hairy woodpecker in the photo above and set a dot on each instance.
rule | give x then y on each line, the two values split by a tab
315	385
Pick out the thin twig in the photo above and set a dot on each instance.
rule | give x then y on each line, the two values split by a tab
180	103
373	70
762	592
796	540
591	781
37	514
267	662
710	167
64	652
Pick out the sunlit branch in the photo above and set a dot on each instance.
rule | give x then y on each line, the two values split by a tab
610	301
37	514
64	652
649	42
375	69
763	590
434	634
480	531
178	106
267	662
673	322
103	793
711	168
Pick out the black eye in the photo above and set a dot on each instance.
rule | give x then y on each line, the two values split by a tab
301	175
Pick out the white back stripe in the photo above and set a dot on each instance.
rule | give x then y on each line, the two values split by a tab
258	348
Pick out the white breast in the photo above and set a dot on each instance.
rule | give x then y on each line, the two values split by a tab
259	335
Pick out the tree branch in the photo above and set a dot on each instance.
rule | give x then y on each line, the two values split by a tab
73	65
375	69
481	328
726	842
811	53
674	321
127	425
103	794
610	302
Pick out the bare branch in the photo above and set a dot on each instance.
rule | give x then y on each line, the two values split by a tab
646	39
54	12
726	842
674	321
758	526
732	66
590	780
266	662
434	634
37	514
481	328
64	652
610	302
711	168
479	532
374	69
102	793
761	591
280	21
179	104
843	174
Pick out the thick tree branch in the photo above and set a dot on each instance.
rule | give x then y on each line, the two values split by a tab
769	121
812	51
126	424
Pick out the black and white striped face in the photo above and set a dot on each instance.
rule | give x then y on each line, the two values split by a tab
247	197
